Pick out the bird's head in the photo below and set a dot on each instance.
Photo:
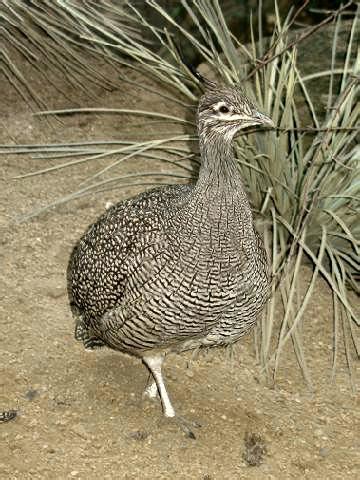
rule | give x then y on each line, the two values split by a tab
225	111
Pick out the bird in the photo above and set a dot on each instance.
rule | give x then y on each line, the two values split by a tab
178	267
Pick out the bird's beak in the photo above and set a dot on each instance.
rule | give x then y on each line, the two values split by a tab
262	119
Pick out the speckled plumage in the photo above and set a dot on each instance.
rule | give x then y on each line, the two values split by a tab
177	267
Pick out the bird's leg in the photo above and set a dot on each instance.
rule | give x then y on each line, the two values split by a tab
154	364
151	389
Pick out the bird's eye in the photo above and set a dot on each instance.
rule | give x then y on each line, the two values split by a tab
224	109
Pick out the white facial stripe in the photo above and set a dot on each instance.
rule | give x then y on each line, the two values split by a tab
231	117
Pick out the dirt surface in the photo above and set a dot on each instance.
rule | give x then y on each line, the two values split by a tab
81	415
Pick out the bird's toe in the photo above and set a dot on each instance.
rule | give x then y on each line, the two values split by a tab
151	392
187	426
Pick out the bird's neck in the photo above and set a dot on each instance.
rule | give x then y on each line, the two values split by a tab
219	174
216	214
218	165
218	198
217	211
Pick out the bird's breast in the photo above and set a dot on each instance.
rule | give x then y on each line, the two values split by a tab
194	279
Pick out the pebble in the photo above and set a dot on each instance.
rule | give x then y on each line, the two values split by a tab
138	435
324	452
54	291
31	394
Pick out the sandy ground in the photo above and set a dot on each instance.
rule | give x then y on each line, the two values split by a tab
81	415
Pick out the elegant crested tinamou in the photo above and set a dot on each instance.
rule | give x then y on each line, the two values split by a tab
177	267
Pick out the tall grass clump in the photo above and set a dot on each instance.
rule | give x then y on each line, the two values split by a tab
49	35
303	181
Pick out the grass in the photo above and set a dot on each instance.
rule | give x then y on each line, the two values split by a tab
305	193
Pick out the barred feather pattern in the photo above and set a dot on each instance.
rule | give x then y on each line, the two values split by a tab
175	268
7	416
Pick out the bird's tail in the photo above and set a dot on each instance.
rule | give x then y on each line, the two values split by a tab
83	334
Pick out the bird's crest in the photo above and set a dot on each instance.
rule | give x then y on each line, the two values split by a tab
203	80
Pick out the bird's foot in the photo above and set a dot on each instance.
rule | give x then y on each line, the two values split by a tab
186	425
151	391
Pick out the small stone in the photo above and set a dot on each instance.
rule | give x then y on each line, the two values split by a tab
31	394
255	449
324	452
139	435
54	291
